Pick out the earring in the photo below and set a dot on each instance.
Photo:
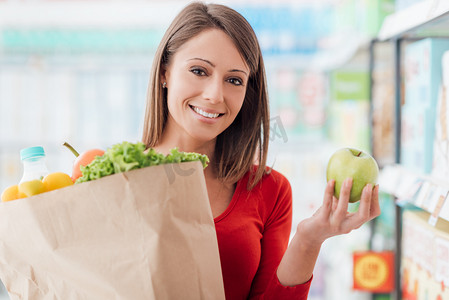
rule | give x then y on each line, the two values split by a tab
164	85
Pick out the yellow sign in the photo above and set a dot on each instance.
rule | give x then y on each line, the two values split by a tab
373	271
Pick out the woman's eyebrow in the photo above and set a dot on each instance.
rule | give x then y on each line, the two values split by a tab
237	70
213	65
202	59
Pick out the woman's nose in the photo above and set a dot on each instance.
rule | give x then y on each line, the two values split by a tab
213	90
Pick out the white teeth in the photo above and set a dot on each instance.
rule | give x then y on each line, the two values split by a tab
205	114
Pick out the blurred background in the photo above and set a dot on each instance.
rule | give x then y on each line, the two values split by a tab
77	71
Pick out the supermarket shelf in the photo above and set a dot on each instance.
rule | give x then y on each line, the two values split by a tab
423	191
424	19
342	51
88	14
103	14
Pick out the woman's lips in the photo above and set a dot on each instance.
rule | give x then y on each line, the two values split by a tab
206	113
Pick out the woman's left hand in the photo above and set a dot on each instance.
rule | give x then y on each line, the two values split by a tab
333	218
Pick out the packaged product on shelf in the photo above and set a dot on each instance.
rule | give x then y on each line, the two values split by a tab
142	234
425	260
383	106
422	62
349	109
440	168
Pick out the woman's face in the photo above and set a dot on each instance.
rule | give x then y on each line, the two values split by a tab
206	84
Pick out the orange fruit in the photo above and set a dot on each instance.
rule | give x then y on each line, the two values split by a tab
56	180
11	193
84	159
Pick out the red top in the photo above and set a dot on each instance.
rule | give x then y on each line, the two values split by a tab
253	234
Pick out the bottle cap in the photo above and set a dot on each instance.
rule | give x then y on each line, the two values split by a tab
30	152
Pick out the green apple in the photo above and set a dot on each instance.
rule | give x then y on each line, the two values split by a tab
355	164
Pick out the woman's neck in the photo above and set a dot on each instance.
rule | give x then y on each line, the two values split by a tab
173	136
186	144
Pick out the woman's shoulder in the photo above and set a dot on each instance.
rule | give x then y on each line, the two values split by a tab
273	192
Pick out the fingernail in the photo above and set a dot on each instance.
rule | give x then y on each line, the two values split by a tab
348	181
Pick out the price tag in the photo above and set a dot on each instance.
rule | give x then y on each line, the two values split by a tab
444	213
427	200
373	271
436	204
423	194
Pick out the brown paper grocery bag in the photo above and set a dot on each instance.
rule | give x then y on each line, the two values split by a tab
143	234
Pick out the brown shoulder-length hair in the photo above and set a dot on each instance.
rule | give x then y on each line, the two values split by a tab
245	142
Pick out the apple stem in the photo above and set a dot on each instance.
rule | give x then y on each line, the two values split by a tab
358	155
71	149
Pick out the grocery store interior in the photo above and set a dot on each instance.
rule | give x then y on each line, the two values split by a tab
365	74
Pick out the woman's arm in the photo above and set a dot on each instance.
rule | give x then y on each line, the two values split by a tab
331	219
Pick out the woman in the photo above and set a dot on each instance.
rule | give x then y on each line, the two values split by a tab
207	94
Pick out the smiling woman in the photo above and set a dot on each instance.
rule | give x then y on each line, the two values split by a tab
207	94
244	135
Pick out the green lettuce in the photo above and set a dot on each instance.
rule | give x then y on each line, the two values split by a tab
128	156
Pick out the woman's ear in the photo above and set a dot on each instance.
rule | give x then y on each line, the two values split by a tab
163	75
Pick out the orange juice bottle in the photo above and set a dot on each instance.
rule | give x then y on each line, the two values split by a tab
34	167
34	170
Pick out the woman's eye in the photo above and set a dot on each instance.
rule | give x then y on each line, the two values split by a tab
235	81
198	72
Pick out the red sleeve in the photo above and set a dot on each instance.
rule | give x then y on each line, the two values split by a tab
276	234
